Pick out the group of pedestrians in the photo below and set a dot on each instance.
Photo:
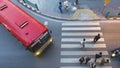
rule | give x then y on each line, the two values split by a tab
103	60
86	59
96	38
66	5
63	5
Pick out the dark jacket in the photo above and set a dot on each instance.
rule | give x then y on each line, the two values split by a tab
97	37
98	56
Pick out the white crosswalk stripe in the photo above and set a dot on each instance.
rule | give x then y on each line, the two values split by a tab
81	33
72	34
80	28
86	46
86	22
79	24
82	52
80	39
76	60
85	67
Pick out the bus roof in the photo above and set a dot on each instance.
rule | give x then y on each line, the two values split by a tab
22	25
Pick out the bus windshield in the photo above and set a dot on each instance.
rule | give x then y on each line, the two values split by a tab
41	42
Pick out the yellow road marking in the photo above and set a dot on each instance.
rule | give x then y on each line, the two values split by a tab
76	14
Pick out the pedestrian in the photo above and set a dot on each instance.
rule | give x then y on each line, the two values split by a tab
119	58
81	60
87	59
50	31
96	38
103	61
76	2
107	61
66	4
119	14
60	7
98	56
92	65
83	42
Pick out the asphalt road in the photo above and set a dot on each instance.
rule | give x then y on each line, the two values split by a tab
14	55
112	39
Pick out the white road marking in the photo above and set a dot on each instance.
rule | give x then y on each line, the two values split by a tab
79	24
46	23
85	67
76	60
81	28
83	52
86	46
81	33
80	39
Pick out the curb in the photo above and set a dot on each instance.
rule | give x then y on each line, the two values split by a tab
113	18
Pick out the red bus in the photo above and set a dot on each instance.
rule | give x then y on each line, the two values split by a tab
30	32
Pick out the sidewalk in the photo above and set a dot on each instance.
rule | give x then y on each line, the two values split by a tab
52	10
83	12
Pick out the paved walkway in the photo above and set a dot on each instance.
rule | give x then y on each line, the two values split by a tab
86	10
83	12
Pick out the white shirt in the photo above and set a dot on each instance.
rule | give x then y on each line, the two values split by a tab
65	3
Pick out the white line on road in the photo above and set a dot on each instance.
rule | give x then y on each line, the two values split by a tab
76	60
80	39
86	46
81	33
85	67
82	52
81	28
46	23
79	24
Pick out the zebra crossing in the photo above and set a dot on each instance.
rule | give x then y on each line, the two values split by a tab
71	50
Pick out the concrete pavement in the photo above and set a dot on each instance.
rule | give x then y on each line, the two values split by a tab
54	11
96	6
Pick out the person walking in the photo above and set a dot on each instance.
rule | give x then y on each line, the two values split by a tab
66	4
98	56
81	60
103	61
76	1
83	42
92	65
60	7
96	38
87	59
